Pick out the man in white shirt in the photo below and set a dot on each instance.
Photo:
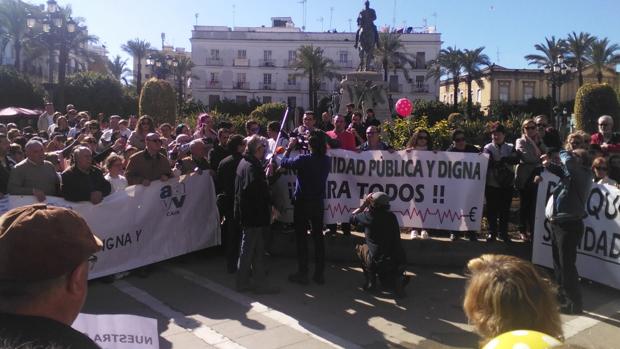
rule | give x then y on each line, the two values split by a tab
47	118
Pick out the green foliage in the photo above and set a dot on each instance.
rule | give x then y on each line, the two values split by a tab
269	111
592	101
17	91
455	119
95	92
130	102
231	107
434	110
158	100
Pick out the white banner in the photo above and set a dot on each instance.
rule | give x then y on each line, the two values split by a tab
433	190
598	253
144	225
119	331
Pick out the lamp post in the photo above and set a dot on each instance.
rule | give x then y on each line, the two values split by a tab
558	73
56	29
161	66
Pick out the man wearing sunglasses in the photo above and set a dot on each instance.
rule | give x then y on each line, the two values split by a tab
46	254
606	137
149	164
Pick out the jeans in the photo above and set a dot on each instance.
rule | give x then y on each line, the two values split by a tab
251	257
565	237
498	208
309	211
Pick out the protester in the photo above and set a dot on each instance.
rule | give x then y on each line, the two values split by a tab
460	145
145	126
251	128
308	124
123	128
112	133
47	118
197	160
326	121
499	183
252	208
565	213
349	114
6	164
61	126
341	138
16	153
114	166
601	170
420	140
542	128
370	119
182	129
373	141
605	137
225	189
312	170
219	150
34	175
149	164
382	255
83	181
165	131
46	255
505	293
357	128
273	129
528	149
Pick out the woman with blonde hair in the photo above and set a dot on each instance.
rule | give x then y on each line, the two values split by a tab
530	149
145	126
506	293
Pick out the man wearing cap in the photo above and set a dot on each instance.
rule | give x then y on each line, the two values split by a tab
45	255
83	181
34	175
382	253
149	164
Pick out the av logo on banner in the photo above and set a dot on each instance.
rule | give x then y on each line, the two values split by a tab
172	198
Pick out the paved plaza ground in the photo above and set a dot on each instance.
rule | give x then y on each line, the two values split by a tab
193	299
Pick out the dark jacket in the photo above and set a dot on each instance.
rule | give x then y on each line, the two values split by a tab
571	194
189	164
143	166
216	155
469	148
382	234
78	185
225	183
252	196
5	171
312	171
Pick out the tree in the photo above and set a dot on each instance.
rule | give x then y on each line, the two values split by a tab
17	91
269	111
98	93
592	101
158	101
13	15
577	46
551	49
118	68
182	72
603	55
137	49
391	54
447	63
472	61
315	67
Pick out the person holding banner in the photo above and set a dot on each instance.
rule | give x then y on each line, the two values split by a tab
34	175
47	253
312	171
149	164
529	149
83	181
566	210
420	140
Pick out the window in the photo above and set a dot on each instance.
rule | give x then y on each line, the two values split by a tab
528	90
420	60
419	81
241	99
266	99
504	91
215	54
267	79
344	57
291	101
241	54
292	79
292	55
267	55
241	77
214	77
479	96
461	97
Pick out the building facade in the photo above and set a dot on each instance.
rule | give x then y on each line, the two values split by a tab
517	86
244	63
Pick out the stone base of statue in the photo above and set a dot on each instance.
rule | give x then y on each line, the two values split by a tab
366	90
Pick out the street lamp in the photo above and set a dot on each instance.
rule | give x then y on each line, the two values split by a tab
160	66
558	73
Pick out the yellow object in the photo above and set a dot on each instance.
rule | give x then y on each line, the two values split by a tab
522	339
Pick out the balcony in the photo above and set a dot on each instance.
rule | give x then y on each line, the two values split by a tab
264	86
288	63
213	85
292	87
241	62
267	63
345	64
241	85
419	88
215	61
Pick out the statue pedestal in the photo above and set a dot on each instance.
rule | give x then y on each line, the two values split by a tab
366	90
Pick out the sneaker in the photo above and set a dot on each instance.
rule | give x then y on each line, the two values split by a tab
490	238
454	237
424	234
414	234
299	278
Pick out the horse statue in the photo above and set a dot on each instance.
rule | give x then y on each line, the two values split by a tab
367	37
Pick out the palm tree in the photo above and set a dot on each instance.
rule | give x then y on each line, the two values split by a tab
13	16
137	49
551	49
391	54
603	55
447	63
181	72
315	67
577	46
118	68
76	43
472	62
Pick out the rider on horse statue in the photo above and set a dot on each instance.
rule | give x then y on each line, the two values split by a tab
365	21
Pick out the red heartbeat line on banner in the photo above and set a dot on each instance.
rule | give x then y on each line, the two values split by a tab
422	214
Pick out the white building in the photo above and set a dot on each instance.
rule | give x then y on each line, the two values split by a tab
245	63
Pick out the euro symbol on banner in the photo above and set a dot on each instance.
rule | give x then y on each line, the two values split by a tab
472	214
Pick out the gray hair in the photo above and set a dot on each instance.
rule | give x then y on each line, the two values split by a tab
78	150
31	143
253	143
607	118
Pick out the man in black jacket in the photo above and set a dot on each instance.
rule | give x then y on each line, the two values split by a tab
253	210
83	181
6	164
225	189
219	151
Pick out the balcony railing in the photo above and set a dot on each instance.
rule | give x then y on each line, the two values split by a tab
241	85
345	64
267	63
214	84
241	62
419	88
288	62
215	61
264	86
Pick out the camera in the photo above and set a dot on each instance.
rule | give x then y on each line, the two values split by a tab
302	139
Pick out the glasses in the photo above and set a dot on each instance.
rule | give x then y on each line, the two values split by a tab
92	260
371	133
460	139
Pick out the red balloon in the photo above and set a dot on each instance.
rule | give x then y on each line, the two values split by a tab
404	107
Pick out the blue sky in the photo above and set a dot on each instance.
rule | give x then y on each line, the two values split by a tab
508	27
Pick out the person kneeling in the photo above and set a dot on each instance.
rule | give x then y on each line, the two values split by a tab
382	255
